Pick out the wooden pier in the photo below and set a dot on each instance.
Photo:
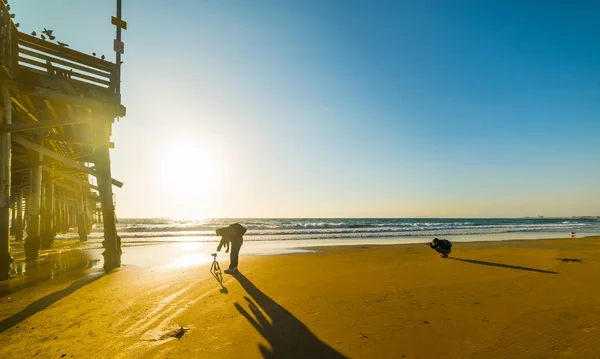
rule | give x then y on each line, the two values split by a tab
57	108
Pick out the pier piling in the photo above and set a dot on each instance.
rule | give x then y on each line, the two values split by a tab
47	230
112	249
5	182
81	224
33	239
57	110
18	227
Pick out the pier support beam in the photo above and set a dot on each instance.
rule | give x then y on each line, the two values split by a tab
47	230
66	218
60	216
81	223
99	216
63	216
18	227
5	176
33	240
111	243
57	220
25	199
13	213
89	214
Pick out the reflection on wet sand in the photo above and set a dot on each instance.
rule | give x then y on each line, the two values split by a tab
48	267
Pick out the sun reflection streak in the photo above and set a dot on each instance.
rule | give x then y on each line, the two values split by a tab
190	246
197	254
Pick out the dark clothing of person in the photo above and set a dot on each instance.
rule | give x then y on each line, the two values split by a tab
441	250
232	234
443	246
224	242
236	245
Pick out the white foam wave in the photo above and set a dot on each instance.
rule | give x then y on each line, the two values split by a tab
133	230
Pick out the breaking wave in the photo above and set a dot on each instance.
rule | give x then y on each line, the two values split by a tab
290	229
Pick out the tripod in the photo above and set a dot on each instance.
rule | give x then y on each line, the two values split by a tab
215	269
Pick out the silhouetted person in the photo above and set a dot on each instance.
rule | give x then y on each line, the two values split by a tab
442	246
232	235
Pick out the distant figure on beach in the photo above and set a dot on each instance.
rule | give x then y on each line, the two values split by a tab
232	234
442	246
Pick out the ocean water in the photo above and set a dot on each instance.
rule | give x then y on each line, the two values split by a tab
349	229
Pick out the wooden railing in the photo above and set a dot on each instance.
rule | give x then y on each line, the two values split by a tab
20	51
63	62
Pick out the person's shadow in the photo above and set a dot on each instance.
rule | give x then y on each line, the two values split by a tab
288	336
501	265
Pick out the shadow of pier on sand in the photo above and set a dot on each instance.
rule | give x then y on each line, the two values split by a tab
287	336
47	301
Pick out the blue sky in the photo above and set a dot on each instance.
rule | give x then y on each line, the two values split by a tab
303	108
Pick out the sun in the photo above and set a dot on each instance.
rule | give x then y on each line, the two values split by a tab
191	171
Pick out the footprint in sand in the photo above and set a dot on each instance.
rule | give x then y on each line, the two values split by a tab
586	329
567	352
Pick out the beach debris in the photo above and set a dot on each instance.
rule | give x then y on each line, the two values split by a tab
569	260
62	44
93	53
102	57
33	33
159	334
175	333
43	37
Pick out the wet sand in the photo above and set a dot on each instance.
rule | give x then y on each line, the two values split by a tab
512	299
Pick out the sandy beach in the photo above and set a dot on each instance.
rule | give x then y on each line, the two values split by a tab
514	299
